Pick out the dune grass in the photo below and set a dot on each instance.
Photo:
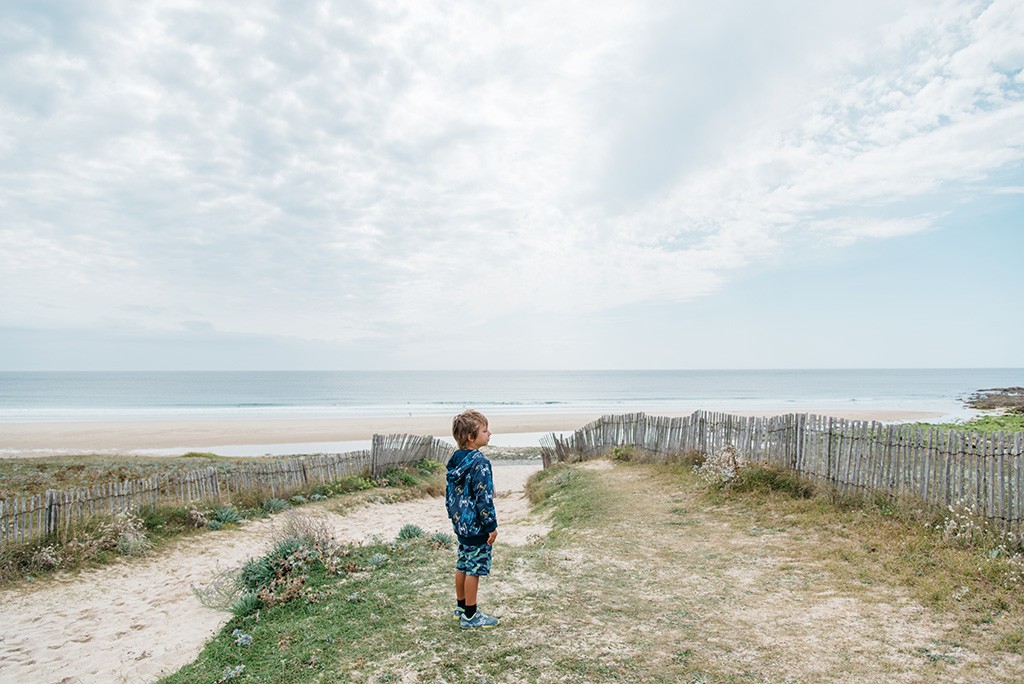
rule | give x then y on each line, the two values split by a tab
29	476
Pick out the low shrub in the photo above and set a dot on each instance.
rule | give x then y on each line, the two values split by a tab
246	604
400	477
761	478
131	535
168	521
721	468
257	573
313	528
226	515
352	483
963	525
428	466
410	531
622	453
441	540
274	505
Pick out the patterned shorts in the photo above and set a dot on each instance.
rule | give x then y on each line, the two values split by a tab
474	560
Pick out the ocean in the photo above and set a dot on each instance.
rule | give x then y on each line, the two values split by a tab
92	396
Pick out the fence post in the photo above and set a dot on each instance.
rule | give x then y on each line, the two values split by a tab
800	430
375	447
828	451
702	433
50	518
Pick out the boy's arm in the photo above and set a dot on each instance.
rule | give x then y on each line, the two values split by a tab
483	497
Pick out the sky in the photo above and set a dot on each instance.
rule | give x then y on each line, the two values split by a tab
489	185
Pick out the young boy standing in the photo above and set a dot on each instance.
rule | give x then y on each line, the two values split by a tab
469	498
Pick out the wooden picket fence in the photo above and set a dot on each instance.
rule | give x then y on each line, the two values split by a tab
939	467
28	518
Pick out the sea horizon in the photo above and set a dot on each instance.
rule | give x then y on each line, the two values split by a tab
71	396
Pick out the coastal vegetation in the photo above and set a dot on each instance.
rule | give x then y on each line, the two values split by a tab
996	422
729	572
28	476
99	540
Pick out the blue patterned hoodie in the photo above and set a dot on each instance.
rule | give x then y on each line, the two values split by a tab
469	496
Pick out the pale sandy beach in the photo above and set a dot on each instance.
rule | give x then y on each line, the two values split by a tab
44	438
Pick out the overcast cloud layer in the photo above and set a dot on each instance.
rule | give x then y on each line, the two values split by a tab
369	173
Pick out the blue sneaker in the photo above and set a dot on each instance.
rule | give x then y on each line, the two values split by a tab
479	620
458	613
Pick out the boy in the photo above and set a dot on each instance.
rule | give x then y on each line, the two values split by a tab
469	497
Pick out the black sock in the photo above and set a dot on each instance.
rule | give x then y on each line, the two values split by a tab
461	602
470	611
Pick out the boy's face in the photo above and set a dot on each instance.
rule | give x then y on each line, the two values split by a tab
483	436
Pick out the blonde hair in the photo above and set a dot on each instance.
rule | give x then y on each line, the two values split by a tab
466	425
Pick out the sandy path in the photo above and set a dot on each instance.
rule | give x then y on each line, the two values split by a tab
750	598
135	621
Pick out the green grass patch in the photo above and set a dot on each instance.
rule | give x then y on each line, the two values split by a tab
1009	422
569	492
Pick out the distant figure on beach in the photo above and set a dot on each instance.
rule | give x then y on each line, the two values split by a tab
469	497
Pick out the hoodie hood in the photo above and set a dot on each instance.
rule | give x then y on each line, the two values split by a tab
460	464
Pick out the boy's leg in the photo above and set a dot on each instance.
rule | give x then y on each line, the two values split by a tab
460	595
460	587
472	584
467	573
466	587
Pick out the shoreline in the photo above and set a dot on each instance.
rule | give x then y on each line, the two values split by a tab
38	439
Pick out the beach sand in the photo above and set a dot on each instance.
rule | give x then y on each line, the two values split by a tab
48	438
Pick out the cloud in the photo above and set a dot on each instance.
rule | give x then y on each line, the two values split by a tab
348	173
